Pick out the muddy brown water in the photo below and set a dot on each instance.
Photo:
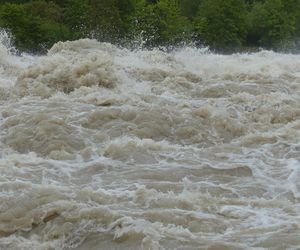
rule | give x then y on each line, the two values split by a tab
106	148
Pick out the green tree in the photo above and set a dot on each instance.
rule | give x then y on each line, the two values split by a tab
189	8
76	18
221	24
51	21
35	25
161	23
272	24
224	25
104	20
96	19
144	24
126	9
25	28
13	1
173	27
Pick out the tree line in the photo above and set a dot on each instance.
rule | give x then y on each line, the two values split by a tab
223	25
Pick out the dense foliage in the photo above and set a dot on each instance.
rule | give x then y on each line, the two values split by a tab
224	25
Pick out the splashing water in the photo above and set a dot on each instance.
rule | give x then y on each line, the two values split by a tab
105	148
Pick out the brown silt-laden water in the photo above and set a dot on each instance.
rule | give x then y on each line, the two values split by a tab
106	148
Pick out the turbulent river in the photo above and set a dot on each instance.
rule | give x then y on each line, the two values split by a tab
106	148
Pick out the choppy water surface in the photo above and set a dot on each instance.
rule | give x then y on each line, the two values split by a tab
105	148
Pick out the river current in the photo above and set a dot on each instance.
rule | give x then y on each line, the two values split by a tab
107	148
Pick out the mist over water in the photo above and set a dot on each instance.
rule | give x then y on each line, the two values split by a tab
106	148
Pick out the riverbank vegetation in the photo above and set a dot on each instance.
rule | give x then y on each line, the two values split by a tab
223	25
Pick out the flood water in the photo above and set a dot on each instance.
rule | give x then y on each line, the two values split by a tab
106	148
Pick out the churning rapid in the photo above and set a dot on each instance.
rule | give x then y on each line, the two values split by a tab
106	148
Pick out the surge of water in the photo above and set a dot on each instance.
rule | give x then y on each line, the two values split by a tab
106	148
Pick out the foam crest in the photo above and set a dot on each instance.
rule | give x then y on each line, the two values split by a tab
67	67
5	47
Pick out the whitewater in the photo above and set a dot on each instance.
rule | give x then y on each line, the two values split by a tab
107	148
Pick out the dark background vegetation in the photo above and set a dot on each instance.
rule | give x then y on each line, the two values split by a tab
223	25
